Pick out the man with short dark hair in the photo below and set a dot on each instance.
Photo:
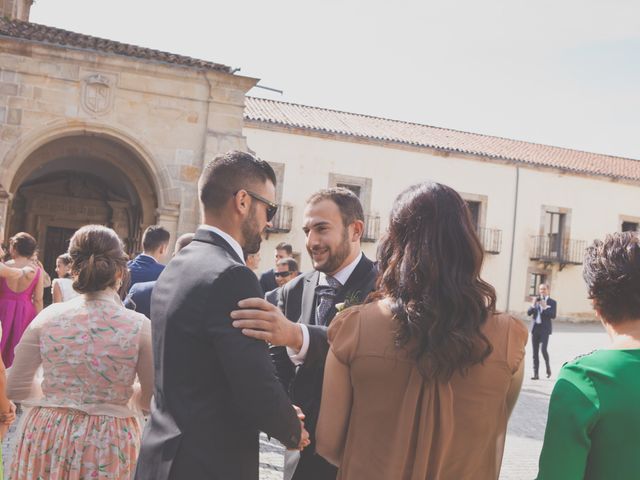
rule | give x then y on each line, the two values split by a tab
333	224
543	311
146	266
286	270
268	279
215	388
139	296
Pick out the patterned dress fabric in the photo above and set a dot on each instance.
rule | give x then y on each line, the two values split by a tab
82	425
16	312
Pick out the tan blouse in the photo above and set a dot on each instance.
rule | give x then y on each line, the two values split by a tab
379	419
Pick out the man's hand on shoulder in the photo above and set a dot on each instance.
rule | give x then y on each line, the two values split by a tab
263	321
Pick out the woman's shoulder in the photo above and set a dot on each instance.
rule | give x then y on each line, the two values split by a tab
512	329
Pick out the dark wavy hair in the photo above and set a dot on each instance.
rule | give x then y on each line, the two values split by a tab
612	273
98	257
429	262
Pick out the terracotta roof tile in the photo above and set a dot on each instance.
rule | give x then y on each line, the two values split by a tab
57	36
363	126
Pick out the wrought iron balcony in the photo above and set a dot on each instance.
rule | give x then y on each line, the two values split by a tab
371	228
491	239
283	220
555	249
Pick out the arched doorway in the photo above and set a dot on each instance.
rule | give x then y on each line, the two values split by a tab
76	180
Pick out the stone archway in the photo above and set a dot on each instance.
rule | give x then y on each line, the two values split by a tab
75	180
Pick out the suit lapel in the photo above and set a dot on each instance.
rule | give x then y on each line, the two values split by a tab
307	313
207	236
357	286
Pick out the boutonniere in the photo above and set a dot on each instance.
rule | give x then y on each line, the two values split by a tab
350	300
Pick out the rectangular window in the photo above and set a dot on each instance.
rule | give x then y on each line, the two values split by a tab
474	209
535	279
357	189
554	230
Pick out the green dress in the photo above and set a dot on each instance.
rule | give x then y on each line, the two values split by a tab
593	428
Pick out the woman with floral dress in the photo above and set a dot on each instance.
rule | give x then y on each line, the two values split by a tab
83	421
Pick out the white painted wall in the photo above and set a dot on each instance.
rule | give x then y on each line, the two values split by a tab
596	204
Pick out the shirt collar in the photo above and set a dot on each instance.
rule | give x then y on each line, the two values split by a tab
149	257
343	275
228	238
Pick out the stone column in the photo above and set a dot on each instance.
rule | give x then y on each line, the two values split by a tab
4	213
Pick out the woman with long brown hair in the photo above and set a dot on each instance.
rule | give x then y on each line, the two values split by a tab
420	381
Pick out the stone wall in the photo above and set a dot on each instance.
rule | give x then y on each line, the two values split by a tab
171	118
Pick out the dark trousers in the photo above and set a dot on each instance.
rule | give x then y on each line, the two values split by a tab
540	339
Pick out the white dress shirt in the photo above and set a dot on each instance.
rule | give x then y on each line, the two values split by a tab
342	276
228	238
540	310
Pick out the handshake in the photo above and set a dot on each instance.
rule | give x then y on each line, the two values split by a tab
304	435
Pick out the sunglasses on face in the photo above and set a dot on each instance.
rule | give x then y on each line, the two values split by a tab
272	208
282	274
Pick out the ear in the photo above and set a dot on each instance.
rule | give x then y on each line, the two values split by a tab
241	202
356	230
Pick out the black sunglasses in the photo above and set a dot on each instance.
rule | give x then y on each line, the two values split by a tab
282	274
272	208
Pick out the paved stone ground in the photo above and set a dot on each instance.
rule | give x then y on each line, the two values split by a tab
526	426
529	418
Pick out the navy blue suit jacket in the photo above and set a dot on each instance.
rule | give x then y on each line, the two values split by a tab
268	281
139	298
144	268
546	316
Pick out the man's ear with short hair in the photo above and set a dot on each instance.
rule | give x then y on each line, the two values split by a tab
357	230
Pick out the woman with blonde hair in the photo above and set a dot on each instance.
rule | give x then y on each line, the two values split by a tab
91	350
420	381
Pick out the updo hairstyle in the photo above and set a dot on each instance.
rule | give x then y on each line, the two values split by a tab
24	244
98	257
612	274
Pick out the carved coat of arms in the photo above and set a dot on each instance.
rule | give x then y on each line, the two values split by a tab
97	92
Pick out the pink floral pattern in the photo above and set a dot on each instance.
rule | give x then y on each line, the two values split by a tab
89	351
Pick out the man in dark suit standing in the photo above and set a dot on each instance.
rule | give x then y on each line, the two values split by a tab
286	270
139	296
215	388
333	224
268	279
542	311
146	267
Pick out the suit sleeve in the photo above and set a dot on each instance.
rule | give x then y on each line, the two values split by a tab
256	391
318	346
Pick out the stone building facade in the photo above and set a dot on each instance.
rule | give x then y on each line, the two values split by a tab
97	131
93	130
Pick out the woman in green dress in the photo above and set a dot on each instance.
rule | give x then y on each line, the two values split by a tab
593	427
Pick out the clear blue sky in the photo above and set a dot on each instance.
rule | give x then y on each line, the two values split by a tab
564	73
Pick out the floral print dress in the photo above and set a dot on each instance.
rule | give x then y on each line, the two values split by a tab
83	422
